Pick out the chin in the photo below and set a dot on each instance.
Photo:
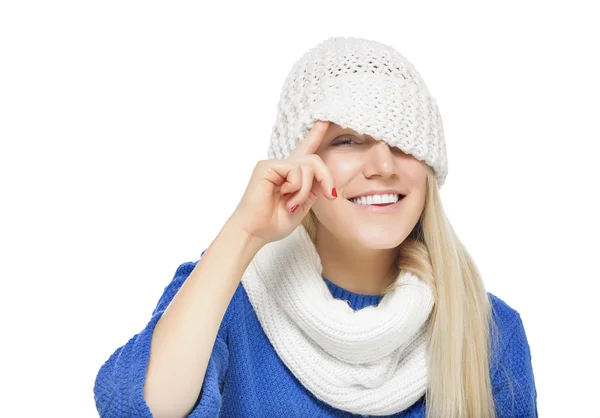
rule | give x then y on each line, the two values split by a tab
379	238
373	237
370	231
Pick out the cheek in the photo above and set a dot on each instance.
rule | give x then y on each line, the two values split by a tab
343	172
342	169
414	172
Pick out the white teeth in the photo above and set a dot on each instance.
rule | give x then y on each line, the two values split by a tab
375	199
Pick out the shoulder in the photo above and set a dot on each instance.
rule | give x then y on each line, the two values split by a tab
503	314
511	369
508	338
505	321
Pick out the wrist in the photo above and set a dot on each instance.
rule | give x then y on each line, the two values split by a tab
234	229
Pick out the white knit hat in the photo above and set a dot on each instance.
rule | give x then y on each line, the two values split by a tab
362	85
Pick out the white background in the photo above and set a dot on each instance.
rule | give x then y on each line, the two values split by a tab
129	130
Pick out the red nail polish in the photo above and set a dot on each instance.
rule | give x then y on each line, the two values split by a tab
334	192
285	194
294	208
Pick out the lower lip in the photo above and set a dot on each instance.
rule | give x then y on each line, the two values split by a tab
379	209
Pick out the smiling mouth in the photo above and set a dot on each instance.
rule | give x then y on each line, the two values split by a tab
400	197
369	200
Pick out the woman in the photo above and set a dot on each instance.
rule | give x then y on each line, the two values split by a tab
337	287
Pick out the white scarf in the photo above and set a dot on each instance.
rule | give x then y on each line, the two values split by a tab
371	361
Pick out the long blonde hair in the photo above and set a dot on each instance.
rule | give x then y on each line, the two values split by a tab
459	337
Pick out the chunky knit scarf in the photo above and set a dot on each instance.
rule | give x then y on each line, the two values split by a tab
371	361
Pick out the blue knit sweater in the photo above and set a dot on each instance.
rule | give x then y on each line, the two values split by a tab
245	377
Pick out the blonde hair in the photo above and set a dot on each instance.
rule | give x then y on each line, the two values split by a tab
459	337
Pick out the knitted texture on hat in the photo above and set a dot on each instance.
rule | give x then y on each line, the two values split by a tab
362	85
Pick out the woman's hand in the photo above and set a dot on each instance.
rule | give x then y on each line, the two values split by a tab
282	191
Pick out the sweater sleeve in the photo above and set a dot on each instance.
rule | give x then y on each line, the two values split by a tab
513	382
119	384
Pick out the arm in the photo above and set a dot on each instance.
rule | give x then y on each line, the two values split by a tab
163	368
183	339
513	382
119	384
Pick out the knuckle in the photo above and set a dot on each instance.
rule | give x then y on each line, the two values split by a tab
258	168
261	164
317	158
314	159
294	176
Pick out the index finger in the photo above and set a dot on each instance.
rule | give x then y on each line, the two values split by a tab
312	140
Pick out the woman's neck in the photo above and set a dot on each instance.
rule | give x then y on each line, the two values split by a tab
354	268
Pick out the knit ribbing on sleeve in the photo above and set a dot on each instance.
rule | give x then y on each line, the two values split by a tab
513	382
118	388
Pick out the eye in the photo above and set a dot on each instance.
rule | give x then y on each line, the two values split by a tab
343	142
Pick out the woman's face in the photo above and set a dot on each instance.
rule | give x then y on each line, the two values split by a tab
359	164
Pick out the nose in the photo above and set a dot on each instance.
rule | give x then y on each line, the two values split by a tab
379	160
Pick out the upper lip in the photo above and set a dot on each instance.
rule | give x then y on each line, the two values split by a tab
372	192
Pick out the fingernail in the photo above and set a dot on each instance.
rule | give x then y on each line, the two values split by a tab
294	208
334	192
285	194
